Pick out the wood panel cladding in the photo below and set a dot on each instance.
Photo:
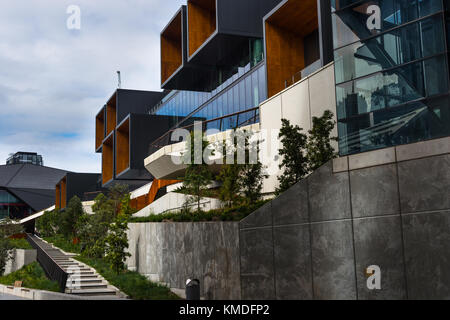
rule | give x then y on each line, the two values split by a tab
99	129
108	160
123	147
111	115
63	193
141	202
171	48
285	46
201	22
58	196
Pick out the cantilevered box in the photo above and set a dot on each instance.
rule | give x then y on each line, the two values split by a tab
121	104
75	184
108	159
134	136
298	41
207	40
218	29
176	72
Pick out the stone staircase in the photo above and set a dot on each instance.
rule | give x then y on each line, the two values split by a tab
82	280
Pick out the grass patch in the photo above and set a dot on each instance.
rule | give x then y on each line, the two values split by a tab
32	277
226	214
135	285
20	244
64	244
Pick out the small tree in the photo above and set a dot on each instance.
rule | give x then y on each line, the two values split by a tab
229	191
125	206
319	148
70	217
116	242
48	224
7	229
115	196
295	162
230	173
197	177
94	228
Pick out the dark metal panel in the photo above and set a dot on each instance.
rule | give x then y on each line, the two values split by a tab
243	18
79	183
325	31
135	101
144	129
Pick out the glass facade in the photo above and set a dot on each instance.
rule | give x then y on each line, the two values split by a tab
12	207
246	89
392	75
25	157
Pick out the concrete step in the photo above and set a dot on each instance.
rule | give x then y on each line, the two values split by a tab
83	280
80	272
76	269
84	276
84	286
93	292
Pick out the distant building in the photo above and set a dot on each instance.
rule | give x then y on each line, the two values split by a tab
25	157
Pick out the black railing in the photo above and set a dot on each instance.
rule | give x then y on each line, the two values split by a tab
52	269
228	122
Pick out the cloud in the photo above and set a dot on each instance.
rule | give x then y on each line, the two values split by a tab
53	80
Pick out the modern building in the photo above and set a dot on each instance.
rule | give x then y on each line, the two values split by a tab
85	186
26	189
25	157
382	67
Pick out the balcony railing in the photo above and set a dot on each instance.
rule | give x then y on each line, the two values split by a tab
228	122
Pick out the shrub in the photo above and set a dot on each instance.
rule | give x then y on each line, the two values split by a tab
32	277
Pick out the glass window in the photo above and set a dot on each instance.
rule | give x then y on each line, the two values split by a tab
384	89
350	24
236	98
436	79
248	94
389	50
241	95
407	124
262	84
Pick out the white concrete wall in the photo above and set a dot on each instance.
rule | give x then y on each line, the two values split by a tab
21	258
299	103
173	201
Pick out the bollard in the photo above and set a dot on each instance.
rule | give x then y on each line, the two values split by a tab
192	289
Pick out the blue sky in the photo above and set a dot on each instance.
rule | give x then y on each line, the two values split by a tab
54	80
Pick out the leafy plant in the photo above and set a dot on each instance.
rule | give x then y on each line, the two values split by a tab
69	218
116	242
319	148
197	176
135	285
48	223
7	229
294	160
32	277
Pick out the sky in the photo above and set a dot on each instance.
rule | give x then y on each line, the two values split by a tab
55	79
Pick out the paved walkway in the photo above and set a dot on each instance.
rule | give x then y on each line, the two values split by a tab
10	297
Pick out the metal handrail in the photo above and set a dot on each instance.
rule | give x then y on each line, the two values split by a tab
158	142
51	268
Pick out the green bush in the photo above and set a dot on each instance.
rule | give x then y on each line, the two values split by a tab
20	244
32	277
226	214
135	285
64	244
